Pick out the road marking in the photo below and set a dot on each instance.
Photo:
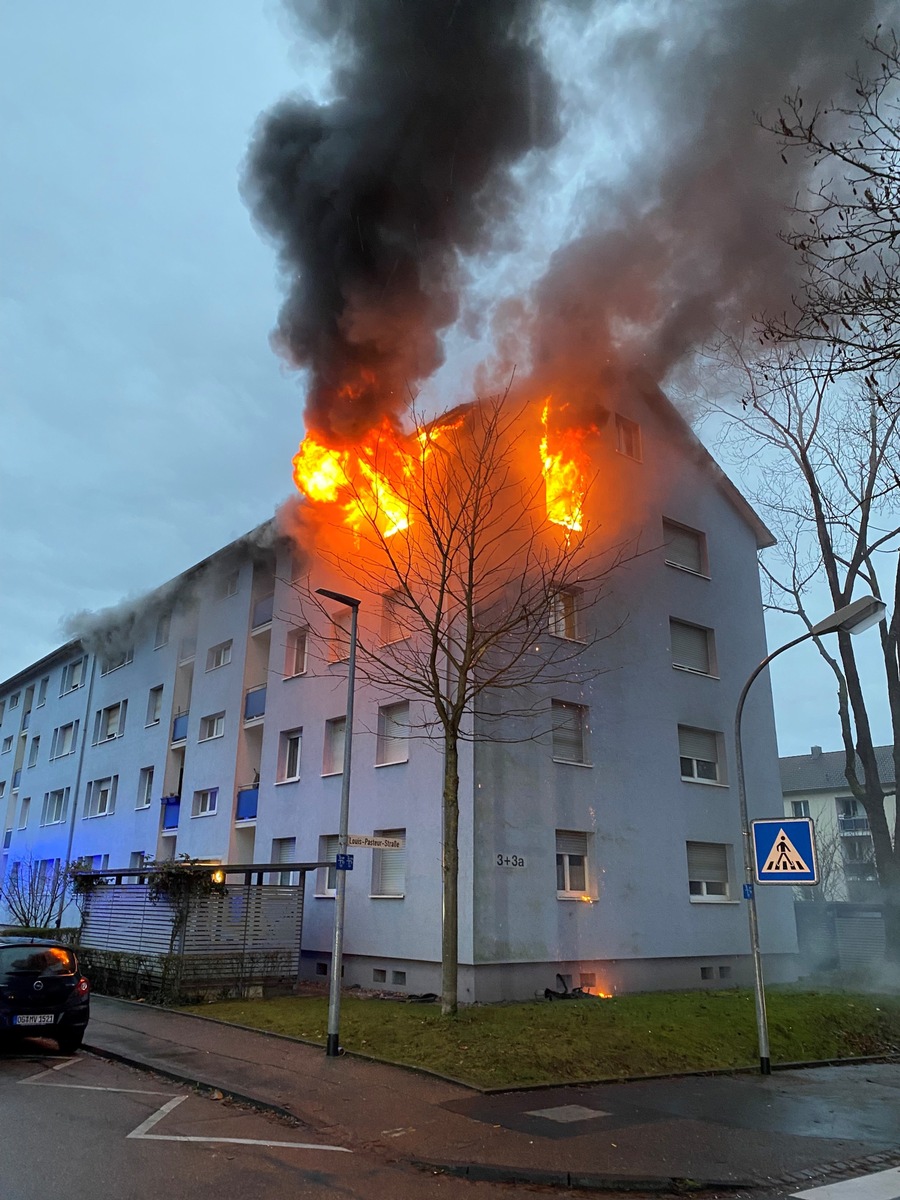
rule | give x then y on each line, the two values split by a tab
86	1087
142	1132
883	1185
49	1070
564	1113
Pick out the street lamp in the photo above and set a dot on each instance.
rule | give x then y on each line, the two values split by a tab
332	1048
852	618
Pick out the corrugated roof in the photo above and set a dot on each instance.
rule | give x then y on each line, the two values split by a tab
824	770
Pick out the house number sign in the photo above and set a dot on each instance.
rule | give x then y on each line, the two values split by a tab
510	860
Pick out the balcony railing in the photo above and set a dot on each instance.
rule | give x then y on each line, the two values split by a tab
853	824
262	611
179	727
171	808
247	802
255	703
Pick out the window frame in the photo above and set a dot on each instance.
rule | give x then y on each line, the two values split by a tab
162	632
156	691
678	528
721	779
93	794
385	740
629	442
556	748
704	896
329	758
24	812
75	668
392	630
286	740
298	635
42	692
7	744
145	789
339	639
563	857
34	750
380	862
566	624
61	805
218	727
712	666
116	662
219	656
55	751
102	722
326	877
205	803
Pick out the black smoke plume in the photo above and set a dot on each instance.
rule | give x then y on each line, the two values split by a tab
372	198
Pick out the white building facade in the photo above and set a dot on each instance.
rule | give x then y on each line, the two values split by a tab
606	849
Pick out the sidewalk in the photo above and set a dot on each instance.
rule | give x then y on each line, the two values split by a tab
718	1131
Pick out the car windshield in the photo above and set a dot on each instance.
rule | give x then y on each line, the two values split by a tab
36	960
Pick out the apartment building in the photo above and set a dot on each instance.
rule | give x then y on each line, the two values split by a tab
602	843
814	786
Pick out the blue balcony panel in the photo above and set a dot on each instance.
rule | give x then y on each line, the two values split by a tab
247	802
262	611
255	703
179	727
171	808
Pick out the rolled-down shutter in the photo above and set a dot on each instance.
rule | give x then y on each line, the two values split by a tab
698	743
690	646
707	861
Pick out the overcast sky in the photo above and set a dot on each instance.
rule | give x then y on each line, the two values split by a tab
145	419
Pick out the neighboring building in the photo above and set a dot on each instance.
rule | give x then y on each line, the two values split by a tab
814	785
606	848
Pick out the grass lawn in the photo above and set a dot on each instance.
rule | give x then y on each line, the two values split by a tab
507	1045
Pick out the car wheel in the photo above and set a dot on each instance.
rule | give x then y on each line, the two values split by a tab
70	1041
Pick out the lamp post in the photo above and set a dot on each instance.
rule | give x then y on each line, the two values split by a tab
332	1048
852	618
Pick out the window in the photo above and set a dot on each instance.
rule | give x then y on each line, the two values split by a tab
64	737
120	659
145	788
137	859
218	656
339	643
335	732
42	691
2	788
100	800
571	863
707	871
628	437
7	745
109	722
799	808
564	615
392	611
284	850
72	676
53	811
701	756
389	866
187	647
289	755
692	647
212	727
326	877
23	812
229	585
569	727
14	699
163	626
154	705
393	734
33	750
2	709
295	653
685	548
205	802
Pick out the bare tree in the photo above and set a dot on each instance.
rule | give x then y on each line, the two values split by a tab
471	574
33	891
846	230
825	456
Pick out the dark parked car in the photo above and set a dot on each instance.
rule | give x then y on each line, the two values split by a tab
42	991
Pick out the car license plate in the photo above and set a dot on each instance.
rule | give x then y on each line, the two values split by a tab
33	1019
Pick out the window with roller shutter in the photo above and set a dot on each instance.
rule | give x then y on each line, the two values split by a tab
692	647
700	751
708	871
389	866
685	548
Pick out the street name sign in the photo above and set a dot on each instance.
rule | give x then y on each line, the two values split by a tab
784	851
374	843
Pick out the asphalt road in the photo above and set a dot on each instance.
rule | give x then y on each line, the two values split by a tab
87	1129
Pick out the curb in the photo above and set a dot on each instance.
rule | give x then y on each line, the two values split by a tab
587	1181
200	1085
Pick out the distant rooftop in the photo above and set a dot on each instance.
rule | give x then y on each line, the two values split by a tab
823	770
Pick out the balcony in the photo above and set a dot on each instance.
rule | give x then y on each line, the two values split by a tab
255	703
860	869
179	727
853	824
171	806
247	802
17	779
262	612
187	648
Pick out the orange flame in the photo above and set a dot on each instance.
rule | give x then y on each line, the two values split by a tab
566	472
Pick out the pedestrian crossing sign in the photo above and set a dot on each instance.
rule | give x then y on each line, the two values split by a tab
784	851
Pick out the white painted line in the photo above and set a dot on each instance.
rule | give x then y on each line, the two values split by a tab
49	1071
143	1133
882	1185
88	1087
154	1118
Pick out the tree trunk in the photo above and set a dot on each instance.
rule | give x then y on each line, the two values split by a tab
450	875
